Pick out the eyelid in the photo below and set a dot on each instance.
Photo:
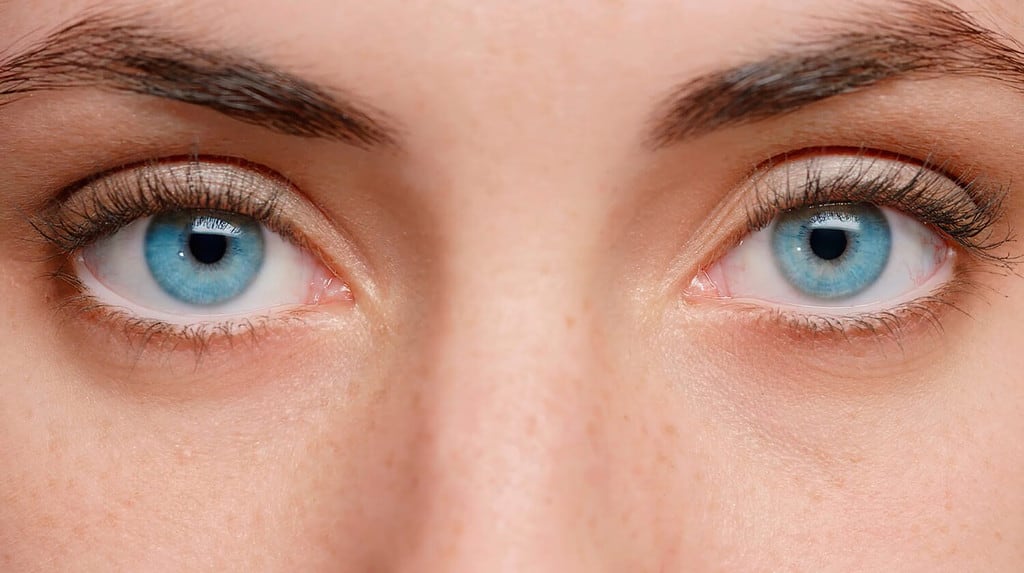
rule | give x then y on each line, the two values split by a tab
102	204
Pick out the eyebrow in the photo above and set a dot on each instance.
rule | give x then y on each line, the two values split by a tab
914	39
108	52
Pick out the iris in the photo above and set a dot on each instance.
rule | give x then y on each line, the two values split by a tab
832	251
204	257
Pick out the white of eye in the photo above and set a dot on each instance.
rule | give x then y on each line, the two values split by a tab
114	270
920	261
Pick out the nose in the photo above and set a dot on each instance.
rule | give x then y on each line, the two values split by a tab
515	452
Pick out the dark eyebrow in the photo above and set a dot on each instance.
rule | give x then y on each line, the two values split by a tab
106	51
915	39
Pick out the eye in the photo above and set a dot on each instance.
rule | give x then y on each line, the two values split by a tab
189	265
193	244
835	256
853	236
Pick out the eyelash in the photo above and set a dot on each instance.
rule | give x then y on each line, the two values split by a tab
78	219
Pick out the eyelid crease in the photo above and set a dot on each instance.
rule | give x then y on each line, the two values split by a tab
146	335
965	208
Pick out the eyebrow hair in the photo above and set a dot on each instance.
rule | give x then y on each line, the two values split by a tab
108	52
914	39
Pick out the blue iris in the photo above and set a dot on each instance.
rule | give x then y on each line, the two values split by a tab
204	257
832	251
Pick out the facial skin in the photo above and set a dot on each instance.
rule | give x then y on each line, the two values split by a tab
520	379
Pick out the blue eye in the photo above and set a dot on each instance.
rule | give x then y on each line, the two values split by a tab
192	266
204	257
832	251
835	259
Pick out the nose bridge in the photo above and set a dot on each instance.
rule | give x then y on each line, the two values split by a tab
512	463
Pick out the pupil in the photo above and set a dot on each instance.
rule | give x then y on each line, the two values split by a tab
208	249
828	244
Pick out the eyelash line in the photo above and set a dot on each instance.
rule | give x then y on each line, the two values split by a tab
890	325
78	219
145	334
966	214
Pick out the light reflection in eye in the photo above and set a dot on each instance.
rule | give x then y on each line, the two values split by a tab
204	258
831	251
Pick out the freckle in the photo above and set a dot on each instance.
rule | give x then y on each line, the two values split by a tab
665	461
670	431
570	321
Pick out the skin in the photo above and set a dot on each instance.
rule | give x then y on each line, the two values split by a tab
518	385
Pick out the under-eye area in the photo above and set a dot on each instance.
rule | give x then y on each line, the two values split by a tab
187	249
857	243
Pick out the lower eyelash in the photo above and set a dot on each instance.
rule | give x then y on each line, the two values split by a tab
893	325
142	334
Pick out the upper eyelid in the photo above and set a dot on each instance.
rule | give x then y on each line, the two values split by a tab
99	204
103	203
965	207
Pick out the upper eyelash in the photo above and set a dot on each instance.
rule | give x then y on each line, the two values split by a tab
77	219
968	216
